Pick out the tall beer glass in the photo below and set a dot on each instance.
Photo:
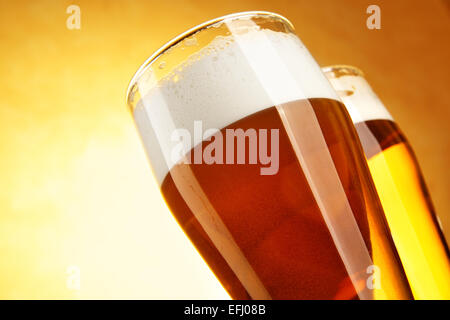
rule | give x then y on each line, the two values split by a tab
400	185
260	164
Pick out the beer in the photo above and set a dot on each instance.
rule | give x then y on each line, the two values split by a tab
400	185
290	211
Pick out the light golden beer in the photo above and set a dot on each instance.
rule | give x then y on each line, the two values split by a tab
400	186
311	228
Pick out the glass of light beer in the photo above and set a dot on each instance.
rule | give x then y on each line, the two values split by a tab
400	185
260	164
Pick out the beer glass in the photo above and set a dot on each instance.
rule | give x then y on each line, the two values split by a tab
260	164
400	185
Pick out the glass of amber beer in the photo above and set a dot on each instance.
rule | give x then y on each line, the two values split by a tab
260	164
400	185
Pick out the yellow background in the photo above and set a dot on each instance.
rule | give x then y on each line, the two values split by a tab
76	192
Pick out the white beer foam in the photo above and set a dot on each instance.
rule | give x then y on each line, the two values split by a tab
231	78
361	102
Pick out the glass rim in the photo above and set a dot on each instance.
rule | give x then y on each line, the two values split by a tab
343	69
155	55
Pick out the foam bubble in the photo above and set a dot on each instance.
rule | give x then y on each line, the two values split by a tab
231	78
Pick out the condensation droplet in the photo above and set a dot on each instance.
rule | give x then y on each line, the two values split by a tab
345	93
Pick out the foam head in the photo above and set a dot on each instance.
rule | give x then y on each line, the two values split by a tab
361	102
230	78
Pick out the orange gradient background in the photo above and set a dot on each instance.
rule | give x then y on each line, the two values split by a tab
76	190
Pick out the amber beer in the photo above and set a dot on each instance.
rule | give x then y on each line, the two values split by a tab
312	226
400	185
